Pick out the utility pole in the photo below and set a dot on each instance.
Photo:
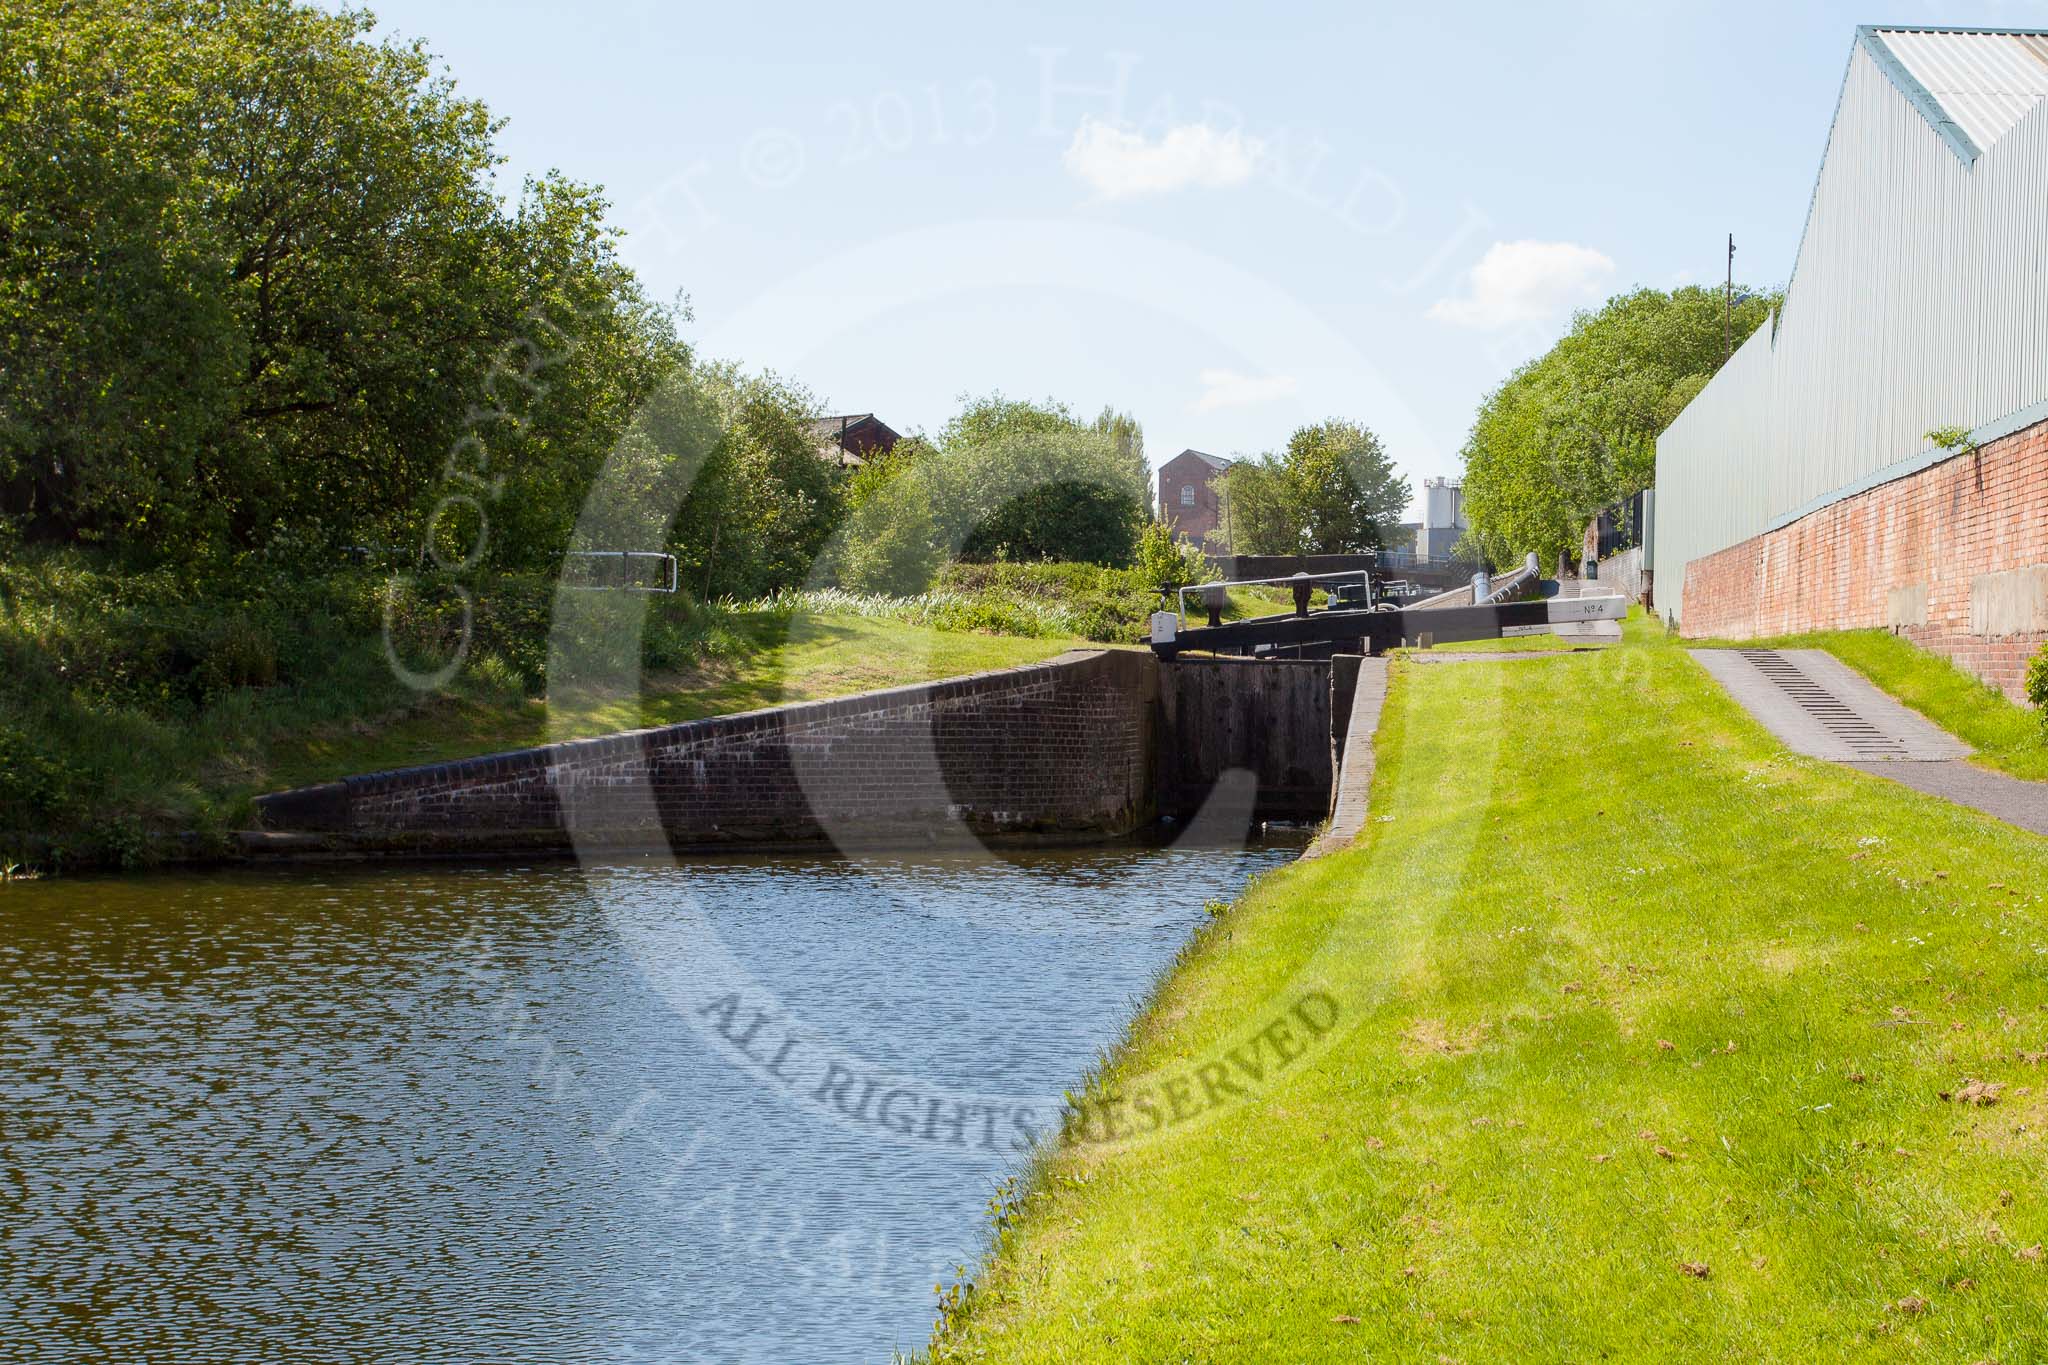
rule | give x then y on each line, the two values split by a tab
1728	306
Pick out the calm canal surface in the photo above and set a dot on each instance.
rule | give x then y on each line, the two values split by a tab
524	1113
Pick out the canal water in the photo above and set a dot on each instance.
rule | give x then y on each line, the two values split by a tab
434	1114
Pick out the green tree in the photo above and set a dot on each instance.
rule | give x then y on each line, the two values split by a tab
1038	495
1259	512
994	417
762	504
890	542
591	353
1333	491
1077	520
1006	480
1129	435
256	284
871	482
1024	480
1346	492
1576	429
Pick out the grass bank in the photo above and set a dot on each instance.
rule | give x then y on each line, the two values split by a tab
1515	644
137	705
770	659
2007	737
1652	1041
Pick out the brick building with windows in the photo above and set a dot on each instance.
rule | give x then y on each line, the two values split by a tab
1189	501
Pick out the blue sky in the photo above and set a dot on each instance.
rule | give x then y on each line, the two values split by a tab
1227	219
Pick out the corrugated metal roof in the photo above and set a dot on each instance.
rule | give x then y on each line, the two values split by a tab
1985	81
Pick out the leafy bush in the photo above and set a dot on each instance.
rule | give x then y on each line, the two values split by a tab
1063	520
33	785
1052	496
240	652
1096	603
1955	440
2037	684
1166	561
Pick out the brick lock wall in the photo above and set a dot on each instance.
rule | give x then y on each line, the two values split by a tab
1058	747
1955	558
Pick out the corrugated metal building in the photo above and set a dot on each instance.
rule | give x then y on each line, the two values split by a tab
1919	299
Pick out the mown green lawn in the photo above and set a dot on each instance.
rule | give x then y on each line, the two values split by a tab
1642	1033
2007	737
802	659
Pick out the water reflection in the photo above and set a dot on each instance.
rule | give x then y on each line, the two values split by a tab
446	1115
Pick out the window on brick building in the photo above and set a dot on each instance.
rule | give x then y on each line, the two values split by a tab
1187	495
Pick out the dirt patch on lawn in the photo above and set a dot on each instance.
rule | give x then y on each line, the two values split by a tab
1440	1037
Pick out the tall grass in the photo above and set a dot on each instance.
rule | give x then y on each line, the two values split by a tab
939	609
1041	601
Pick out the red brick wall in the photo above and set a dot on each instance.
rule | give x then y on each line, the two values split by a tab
1064	746
1861	562
1197	523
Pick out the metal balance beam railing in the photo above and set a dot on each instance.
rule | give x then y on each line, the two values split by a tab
1373	631
618	571
1216	596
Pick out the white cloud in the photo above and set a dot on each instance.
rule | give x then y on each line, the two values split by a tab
1228	389
1526	282
1118	164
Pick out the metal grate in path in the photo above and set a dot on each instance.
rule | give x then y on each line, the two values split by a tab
1819	706
1834	715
